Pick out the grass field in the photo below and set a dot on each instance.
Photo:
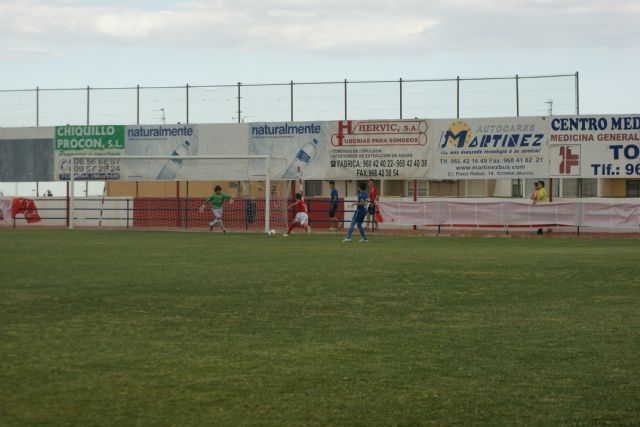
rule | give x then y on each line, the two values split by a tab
166	328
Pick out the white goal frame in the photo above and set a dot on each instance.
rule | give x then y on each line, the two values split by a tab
267	176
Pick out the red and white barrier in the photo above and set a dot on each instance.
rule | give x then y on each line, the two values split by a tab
605	214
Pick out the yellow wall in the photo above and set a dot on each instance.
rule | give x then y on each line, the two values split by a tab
490	187
200	188
169	188
156	189
446	188
615	187
391	188
121	189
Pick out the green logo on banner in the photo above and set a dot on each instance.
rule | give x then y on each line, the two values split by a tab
90	138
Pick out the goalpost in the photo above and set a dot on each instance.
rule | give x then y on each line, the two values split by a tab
248	179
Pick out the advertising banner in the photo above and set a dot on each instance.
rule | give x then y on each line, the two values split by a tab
297	149
379	149
114	140
595	146
161	140
455	149
73	141
492	148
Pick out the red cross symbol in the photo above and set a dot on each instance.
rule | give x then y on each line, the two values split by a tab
569	159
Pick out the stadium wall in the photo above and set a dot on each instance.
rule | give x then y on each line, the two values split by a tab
29	154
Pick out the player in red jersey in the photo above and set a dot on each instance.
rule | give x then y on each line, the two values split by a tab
302	217
372	209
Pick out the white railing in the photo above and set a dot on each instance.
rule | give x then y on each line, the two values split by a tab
592	213
607	214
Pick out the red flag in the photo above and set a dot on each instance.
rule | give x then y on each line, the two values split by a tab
26	207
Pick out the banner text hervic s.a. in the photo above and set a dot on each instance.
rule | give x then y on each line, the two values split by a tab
492	148
595	146
378	149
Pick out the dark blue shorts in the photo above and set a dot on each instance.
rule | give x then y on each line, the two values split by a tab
359	217
332	210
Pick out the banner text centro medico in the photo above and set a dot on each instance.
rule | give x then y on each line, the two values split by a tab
595	146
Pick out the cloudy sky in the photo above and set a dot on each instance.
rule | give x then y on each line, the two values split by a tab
62	43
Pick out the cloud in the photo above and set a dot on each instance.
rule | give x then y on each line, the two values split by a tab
331	26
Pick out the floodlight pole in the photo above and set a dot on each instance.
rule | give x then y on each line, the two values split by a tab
577	93
291	99
187	90
345	99
138	104
239	105
458	97
400	98
517	96
88	104
37	106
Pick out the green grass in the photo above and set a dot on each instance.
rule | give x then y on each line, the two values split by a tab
163	328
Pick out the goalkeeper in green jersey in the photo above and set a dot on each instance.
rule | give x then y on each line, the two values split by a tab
217	199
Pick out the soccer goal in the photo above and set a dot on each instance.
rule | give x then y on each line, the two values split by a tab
167	192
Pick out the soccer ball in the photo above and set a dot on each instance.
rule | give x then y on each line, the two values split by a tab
271	232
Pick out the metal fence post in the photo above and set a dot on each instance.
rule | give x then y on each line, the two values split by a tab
345	99
187	88
138	104
400	98
186	206
239	111
577	94
458	97
415	197
291	100
517	96
88	103
37	106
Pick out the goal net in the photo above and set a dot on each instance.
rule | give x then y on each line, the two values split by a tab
167	192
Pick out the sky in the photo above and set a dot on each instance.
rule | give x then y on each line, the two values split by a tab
75	43
117	43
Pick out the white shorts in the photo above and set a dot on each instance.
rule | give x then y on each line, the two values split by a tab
301	218
217	213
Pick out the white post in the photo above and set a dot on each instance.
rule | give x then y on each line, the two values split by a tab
560	188
599	189
267	197
71	194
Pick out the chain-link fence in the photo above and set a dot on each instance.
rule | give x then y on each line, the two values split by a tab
300	101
